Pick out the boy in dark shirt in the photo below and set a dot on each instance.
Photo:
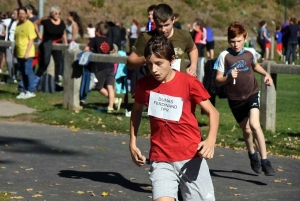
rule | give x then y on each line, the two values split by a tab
104	71
235	69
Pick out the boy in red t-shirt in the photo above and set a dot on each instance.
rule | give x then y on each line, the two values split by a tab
178	153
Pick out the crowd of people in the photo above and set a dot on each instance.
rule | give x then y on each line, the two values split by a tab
160	81
287	39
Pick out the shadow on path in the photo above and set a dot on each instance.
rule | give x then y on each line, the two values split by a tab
105	177
23	145
213	173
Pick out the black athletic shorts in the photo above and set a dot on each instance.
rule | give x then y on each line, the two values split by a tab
210	45
241	109
105	76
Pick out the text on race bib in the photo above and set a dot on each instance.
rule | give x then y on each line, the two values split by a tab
165	106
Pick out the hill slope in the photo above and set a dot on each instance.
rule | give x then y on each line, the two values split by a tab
216	13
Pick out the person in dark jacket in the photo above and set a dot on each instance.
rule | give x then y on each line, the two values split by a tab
292	41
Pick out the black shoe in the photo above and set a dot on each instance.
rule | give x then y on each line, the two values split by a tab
255	164
267	169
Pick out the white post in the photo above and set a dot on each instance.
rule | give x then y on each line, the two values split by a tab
41	13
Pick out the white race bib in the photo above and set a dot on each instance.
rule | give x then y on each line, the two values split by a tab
176	64
165	107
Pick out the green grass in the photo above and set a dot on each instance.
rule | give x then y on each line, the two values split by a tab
4	196
285	141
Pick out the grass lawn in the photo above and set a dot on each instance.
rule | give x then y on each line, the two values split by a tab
286	140
5	196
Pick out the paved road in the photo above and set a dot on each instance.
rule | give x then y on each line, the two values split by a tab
59	165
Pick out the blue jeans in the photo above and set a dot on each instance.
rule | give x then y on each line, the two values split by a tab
25	66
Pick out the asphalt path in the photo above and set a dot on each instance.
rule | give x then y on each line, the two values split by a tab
39	162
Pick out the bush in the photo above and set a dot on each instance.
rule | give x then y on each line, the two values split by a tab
97	3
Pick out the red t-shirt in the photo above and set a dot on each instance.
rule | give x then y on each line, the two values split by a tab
174	140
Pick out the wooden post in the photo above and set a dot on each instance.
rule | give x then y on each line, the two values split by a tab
268	101
71	83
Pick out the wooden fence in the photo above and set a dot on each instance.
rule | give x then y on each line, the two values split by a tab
72	81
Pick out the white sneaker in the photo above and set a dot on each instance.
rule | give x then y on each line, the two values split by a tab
21	95
127	113
293	63
287	63
29	95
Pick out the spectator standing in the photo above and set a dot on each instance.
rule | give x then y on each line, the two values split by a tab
54	32
123	37
176	21
74	27
262	37
2	37
134	33
91	31
268	44
278	37
10	25
25	51
104	71
210	43
150	24
292	41
284	31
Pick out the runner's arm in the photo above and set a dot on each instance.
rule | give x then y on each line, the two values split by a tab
135	61
135	120
259	69
221	79
193	55
206	147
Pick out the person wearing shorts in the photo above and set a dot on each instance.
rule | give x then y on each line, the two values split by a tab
178	152
104	72
235	69
278	37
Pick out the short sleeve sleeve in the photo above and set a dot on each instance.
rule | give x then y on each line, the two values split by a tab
220	62
31	31
139	45
255	54
140	94
198	92
91	44
190	42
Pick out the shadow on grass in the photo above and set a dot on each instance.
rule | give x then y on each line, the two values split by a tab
213	173
105	177
23	145
9	93
293	134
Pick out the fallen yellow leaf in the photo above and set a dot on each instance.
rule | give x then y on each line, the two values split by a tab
149	187
235	148
9	183
131	179
83	165
16	172
147	169
277	181
29	169
3	167
104	194
289	183
36	195
150	196
17	197
103	126
221	155
232	188
237	194
29	190
80	192
123	142
280	170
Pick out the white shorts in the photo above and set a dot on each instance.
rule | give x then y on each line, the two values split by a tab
191	175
